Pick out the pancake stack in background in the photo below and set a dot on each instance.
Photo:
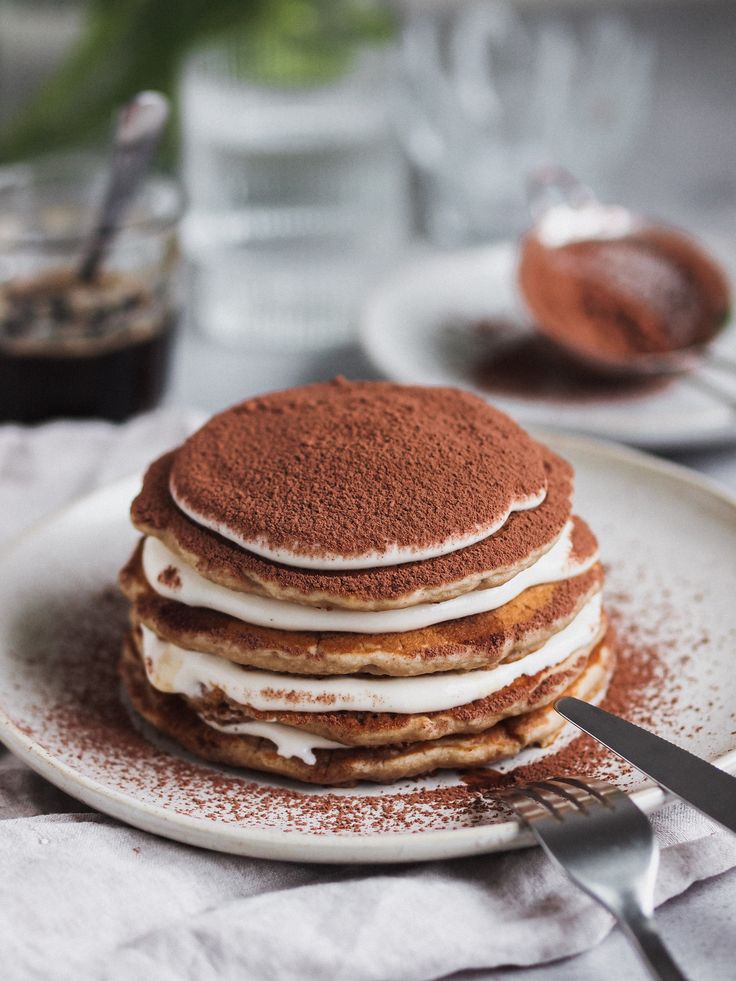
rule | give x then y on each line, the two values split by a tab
361	581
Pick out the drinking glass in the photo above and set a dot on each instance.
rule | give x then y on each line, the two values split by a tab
298	198
490	93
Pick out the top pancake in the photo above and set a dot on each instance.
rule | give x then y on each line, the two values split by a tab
521	541
357	474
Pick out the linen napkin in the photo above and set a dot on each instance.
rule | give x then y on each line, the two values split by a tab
83	896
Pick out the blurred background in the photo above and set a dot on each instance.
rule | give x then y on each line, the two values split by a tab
321	143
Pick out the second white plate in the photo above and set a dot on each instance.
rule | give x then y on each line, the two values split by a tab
418	328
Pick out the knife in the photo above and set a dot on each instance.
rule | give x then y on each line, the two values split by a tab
699	783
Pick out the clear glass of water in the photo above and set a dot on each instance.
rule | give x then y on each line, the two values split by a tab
298	199
492	90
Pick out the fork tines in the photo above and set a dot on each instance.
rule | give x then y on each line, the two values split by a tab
557	797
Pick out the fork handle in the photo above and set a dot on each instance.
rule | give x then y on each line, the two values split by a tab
642	932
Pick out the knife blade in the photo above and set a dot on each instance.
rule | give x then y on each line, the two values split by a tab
702	785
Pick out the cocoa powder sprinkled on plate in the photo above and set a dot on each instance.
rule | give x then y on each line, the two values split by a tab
79	718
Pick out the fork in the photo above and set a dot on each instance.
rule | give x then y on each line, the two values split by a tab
606	845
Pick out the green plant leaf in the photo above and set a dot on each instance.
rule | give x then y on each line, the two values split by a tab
130	45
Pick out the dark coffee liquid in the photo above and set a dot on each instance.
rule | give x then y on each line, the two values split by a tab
104	382
82	349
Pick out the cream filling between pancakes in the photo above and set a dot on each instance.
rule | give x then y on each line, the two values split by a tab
332	562
188	587
287	740
175	670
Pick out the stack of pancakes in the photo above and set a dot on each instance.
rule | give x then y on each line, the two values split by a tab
359	580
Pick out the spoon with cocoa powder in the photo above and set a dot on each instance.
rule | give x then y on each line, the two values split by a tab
620	292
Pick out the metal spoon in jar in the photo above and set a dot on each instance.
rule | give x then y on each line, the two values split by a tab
622	293
138	130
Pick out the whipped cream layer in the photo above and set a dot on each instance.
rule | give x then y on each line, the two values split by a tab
289	742
188	587
175	670
332	562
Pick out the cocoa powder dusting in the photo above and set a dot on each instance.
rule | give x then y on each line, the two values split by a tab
170	577
533	367
351	468
652	291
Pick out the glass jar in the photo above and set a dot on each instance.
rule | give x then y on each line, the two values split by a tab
73	349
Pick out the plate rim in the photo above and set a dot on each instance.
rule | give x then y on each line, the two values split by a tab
329	847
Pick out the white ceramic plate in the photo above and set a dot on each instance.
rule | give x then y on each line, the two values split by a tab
421	327
669	540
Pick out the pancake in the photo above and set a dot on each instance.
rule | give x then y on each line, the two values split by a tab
479	641
364	728
172	716
345	475
523	539
361	581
